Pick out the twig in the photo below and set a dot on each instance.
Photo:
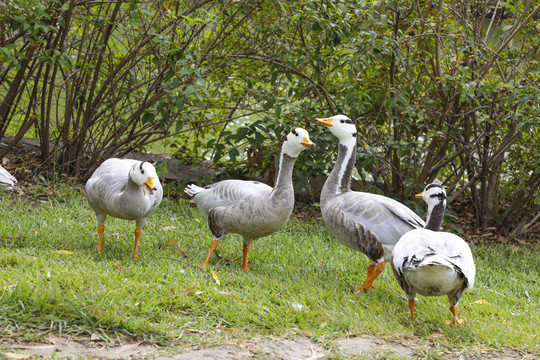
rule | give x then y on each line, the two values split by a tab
170	258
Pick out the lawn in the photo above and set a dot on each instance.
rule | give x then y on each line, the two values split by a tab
53	280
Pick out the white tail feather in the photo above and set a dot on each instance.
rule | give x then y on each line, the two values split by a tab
193	190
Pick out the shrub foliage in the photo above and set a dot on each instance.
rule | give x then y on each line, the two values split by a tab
443	90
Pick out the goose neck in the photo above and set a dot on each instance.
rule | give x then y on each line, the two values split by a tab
283	186
339	180
435	216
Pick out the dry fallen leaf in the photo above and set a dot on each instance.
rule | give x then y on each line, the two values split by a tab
118	269
18	356
64	252
481	302
214	275
180	251
165	244
126	347
434	335
197	331
167	228
94	337
185	291
229	295
221	327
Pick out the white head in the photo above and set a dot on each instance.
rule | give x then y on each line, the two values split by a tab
342	127
144	174
296	142
433	194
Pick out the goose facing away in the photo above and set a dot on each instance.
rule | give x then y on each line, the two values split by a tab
433	263
125	189
369	223
250	208
7	181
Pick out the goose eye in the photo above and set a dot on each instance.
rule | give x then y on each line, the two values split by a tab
342	121
142	171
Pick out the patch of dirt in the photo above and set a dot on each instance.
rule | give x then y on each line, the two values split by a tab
297	348
370	345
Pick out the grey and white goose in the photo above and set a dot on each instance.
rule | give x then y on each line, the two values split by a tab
250	208
7	181
433	263
369	223
125	189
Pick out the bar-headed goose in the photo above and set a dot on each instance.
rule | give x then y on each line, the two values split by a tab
433	263
7	181
250	208
125	189
369	223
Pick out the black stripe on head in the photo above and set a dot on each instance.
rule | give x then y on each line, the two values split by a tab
440	195
142	171
294	132
346	121
432	186
354	134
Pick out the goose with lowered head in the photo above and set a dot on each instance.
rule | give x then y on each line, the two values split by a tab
250	208
369	223
433	263
125	189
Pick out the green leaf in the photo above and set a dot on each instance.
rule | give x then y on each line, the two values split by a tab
147	117
390	103
277	110
168	75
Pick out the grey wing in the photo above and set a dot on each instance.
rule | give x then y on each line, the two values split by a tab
106	182
425	246
385	217
412	249
351	233
459	255
228	193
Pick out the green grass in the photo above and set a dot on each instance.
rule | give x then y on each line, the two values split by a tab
300	282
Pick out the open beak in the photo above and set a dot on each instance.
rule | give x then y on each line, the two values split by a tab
150	185
307	143
419	195
326	121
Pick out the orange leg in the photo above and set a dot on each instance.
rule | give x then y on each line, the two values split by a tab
412	303
455	320
100	230
373	271
138	233
213	247
244	259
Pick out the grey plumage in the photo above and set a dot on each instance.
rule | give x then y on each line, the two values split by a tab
7	181
126	189
250	208
432	263
369	223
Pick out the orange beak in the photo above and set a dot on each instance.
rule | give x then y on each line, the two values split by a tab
307	143
150	185
326	121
